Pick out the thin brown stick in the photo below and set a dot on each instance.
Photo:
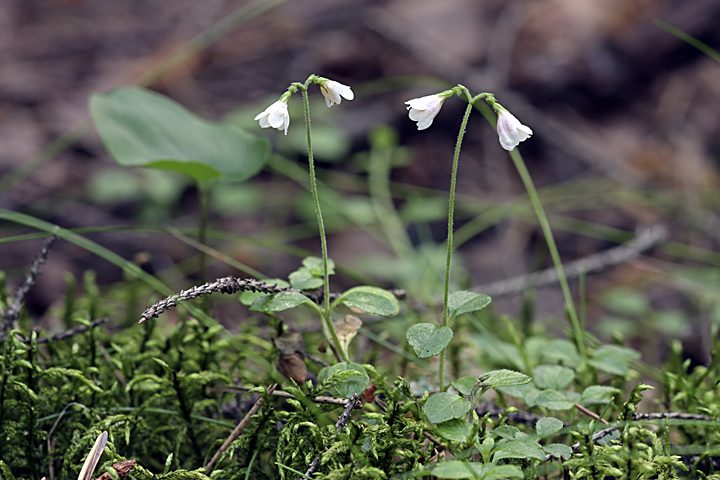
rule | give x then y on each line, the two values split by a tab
590	414
283	394
238	430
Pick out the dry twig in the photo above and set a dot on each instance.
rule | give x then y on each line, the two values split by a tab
238	430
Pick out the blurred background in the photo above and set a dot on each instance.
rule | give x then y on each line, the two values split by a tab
627	135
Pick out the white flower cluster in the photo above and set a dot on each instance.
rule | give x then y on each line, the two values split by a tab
422	110
277	116
510	131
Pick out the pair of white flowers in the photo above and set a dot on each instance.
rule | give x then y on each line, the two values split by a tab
510	131
422	110
277	116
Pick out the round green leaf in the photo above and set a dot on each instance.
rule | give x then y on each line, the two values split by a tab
548	425
444	406
373	300
466	302
455	469
347	388
141	128
503	378
558	450
613	359
428	339
279	302
556	377
598	394
457	430
522	448
553	400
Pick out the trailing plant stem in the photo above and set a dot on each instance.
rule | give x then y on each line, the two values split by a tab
451	214
321	226
550	240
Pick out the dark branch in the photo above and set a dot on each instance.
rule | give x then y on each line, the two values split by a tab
13	311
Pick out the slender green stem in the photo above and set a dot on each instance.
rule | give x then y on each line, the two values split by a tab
321	226
550	240
451	214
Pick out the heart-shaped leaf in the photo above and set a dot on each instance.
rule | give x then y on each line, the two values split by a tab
280	301
466	302
428	339
141	128
444	406
373	300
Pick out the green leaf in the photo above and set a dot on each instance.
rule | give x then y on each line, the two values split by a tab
623	301
502	471
280	301
372	300
553	376
457	430
354	384
524	448
613	359
503	378
314	265
598	394
548	425
465	385
248	297
558	450
528	393
563	352
302	279
466	302
428	339
553	400
141	128
455	469
444	406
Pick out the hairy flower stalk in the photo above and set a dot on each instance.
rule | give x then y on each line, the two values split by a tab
276	116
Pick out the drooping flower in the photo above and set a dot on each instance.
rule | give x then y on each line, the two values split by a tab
275	116
510	131
332	91
424	109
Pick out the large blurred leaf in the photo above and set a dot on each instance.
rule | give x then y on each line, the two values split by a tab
141	128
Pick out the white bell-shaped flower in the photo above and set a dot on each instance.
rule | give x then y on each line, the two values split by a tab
510	131
275	116
332	91
424	109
